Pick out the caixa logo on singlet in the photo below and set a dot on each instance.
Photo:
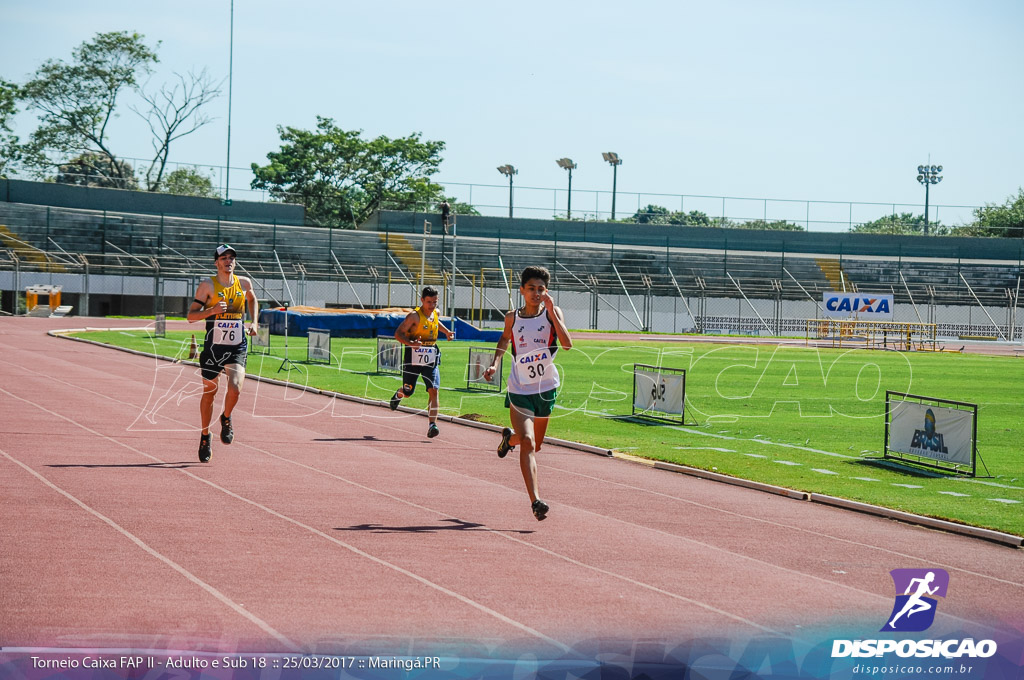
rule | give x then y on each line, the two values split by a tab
540	355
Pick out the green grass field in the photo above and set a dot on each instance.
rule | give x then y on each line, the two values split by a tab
801	418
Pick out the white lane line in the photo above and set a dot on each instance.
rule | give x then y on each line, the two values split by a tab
859	544
949	567
332	539
824	471
954	493
218	595
566	558
786	462
1003	500
909	486
866	479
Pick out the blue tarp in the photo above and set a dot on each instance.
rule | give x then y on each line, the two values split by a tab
356	325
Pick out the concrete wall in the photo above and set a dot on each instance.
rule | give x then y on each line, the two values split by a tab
120	200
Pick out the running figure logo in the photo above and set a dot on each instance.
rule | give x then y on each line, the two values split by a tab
914	610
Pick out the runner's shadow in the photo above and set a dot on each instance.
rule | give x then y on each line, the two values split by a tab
364	438
456	524
158	466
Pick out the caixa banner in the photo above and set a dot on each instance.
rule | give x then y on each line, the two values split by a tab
858	306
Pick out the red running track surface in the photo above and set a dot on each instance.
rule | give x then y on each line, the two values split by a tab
329	526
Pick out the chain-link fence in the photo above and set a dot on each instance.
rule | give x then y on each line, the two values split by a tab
117	263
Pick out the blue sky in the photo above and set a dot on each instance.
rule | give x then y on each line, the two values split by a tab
828	101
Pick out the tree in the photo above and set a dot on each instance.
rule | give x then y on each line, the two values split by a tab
9	153
97	170
775	225
188	182
998	220
77	101
172	114
656	214
342	178
901	224
651	214
457	207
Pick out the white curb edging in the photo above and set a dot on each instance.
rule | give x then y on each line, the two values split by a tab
907	517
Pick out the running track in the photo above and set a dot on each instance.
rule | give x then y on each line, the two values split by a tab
329	524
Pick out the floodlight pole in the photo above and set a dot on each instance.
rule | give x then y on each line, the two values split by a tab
928	175
231	63
567	164
613	160
508	170
510	195
568	207
615	177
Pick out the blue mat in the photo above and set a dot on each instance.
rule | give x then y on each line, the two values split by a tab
356	325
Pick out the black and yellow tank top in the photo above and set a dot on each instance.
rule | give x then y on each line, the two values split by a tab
426	328
226	328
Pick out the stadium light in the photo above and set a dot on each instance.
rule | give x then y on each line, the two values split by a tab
615	161
567	164
509	171
231	64
928	175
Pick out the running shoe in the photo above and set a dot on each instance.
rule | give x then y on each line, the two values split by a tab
394	402
227	433
204	448
540	509
504	447
432	431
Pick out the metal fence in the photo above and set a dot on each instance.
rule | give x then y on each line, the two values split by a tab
135	264
595	205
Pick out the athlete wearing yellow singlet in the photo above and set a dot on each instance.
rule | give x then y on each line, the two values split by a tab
422	359
221	302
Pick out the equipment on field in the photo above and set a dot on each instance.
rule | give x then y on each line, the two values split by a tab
389	356
479	361
260	343
898	335
935	433
318	346
659	392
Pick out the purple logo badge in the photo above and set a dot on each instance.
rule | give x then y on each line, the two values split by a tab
914	609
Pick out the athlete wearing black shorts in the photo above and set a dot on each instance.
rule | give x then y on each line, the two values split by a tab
422	358
222	301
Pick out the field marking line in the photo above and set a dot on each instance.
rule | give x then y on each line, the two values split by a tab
217	594
351	548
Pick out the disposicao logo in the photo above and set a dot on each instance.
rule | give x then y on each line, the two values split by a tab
914	611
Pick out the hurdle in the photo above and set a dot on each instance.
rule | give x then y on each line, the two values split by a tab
899	335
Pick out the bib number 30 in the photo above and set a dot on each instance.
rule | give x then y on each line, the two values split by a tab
533	367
